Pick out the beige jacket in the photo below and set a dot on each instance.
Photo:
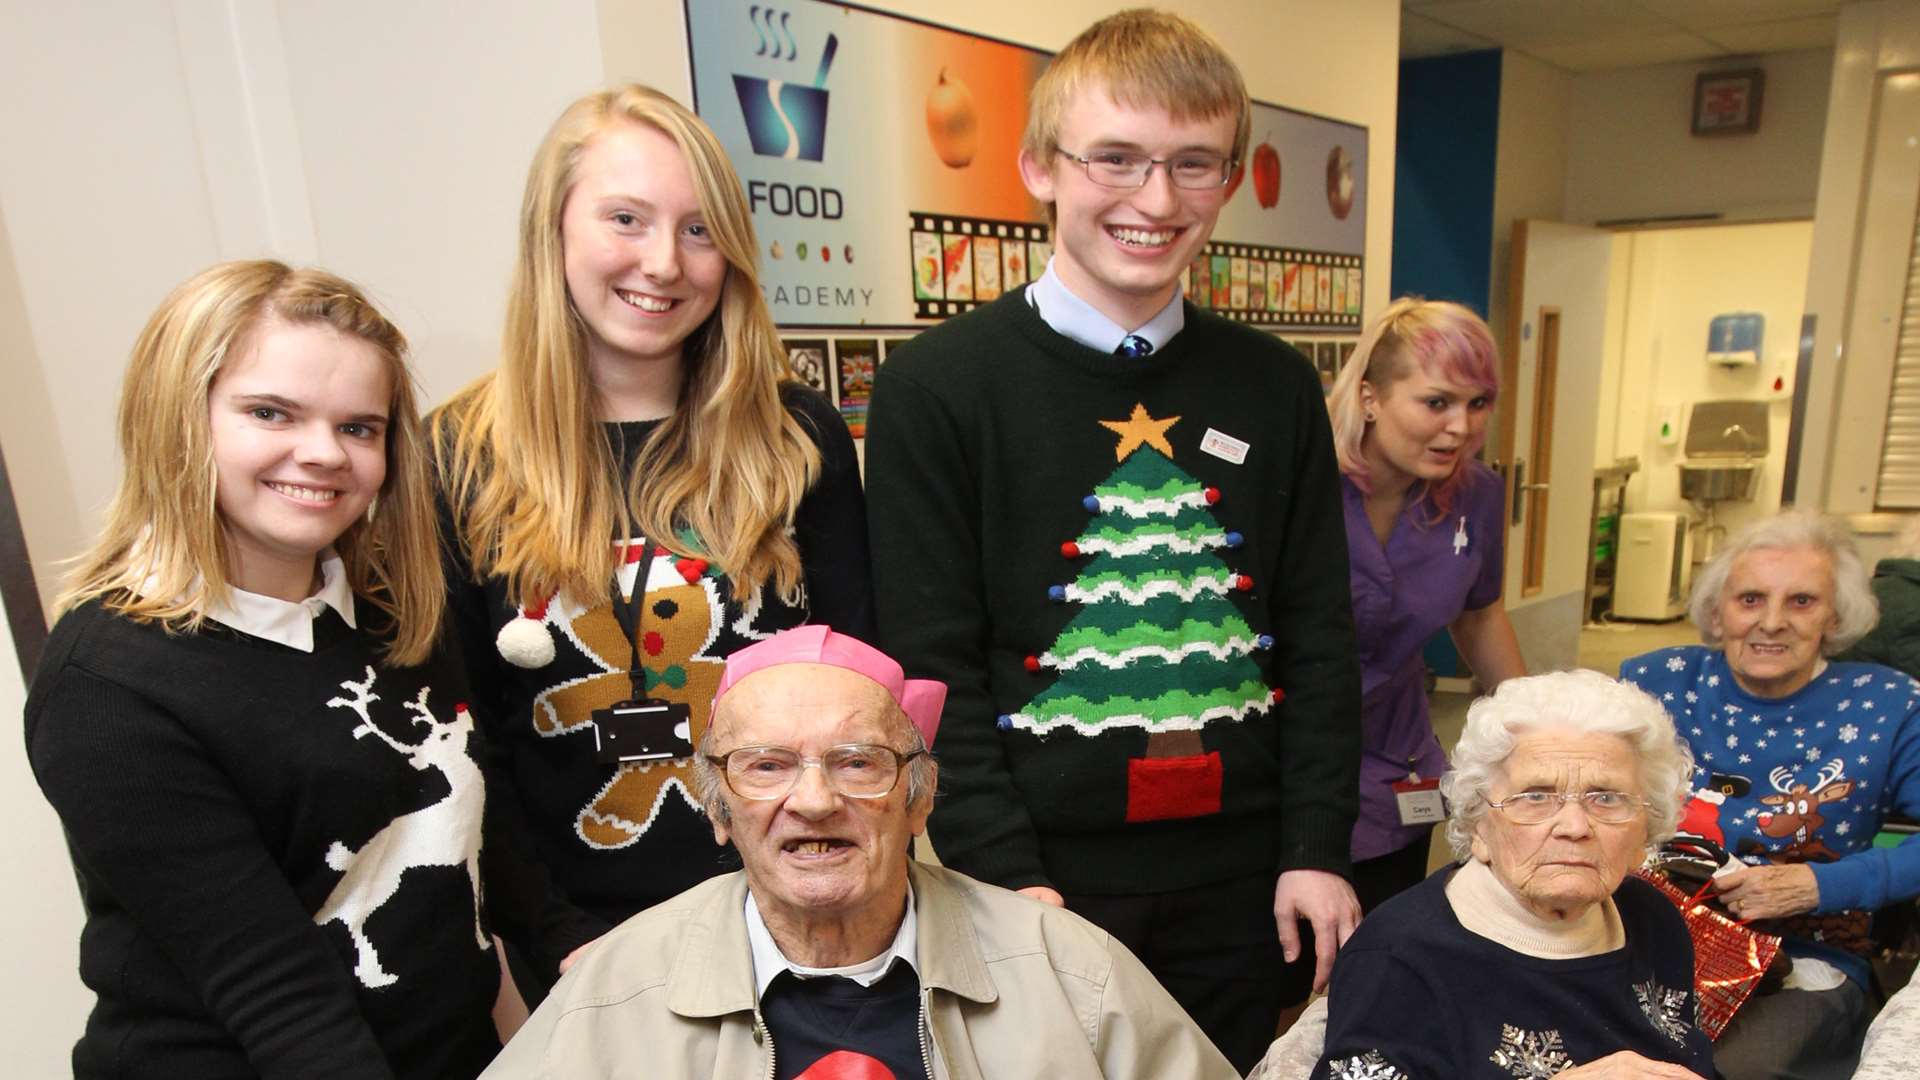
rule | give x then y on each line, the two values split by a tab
1009	988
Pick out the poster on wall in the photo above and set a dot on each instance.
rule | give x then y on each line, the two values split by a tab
880	159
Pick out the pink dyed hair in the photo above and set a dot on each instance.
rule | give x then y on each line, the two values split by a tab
1445	340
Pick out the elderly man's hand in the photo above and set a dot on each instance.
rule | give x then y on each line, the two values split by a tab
1325	901
1044	895
1626	1065
1770	892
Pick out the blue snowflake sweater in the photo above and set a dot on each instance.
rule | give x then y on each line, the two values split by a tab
1804	778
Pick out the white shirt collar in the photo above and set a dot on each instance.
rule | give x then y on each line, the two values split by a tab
1073	317
769	961
289	624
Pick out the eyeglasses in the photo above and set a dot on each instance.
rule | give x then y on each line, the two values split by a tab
1197	171
1536	807
856	770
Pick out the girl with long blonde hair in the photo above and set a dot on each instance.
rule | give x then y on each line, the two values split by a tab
636	490
237	708
1425	536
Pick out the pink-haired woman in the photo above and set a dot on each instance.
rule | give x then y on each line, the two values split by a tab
1425	526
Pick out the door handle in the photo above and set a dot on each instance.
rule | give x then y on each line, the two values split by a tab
1516	506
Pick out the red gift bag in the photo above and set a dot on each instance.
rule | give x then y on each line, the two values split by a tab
1729	959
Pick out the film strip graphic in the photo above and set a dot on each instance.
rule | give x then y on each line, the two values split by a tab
959	263
1273	286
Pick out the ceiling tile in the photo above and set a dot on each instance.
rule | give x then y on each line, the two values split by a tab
1785	35
1605	54
1705	14
1530	22
1423	37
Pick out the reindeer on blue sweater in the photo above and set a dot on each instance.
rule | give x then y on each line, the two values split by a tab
448	833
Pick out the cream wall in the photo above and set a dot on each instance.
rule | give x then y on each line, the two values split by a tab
1676	281
389	142
1530	167
1631	153
1851	288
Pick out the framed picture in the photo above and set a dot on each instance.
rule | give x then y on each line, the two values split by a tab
1728	102
808	358
854	362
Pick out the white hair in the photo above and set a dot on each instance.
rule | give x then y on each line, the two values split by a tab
1855	608
1581	701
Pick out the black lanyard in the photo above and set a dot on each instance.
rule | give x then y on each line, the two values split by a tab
630	612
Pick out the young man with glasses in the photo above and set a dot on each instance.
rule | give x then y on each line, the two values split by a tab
1111	523
832	953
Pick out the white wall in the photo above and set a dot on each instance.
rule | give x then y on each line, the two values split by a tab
42	1004
1678	280
1631	153
389	142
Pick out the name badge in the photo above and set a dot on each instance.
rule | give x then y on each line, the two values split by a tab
642	731
1225	447
1420	802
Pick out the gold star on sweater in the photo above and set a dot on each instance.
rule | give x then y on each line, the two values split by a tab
1140	428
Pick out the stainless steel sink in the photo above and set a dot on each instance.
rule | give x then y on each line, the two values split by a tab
1730	482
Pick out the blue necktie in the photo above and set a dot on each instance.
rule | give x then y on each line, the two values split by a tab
1133	347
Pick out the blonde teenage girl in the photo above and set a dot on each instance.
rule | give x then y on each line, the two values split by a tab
637	490
269	780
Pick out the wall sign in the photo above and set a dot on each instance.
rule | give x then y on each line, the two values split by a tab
879	155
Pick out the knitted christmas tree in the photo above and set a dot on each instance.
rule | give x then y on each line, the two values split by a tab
1158	644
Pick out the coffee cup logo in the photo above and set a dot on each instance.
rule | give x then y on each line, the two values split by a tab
785	119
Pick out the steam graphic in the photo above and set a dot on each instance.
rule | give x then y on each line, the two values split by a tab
772	44
784	120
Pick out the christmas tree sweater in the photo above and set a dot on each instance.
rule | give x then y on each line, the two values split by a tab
1132	576
622	837
1805	778
279	853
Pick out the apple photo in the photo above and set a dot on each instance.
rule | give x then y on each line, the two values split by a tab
1266	175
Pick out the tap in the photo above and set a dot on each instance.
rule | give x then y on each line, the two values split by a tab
1746	438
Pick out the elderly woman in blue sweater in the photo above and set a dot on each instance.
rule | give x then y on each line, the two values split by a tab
1798	760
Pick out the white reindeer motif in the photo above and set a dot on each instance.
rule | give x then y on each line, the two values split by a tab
444	834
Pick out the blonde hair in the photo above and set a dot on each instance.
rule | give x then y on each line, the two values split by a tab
1141	58
527	467
164	556
1444	339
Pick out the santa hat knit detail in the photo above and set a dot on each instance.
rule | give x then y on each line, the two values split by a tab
525	641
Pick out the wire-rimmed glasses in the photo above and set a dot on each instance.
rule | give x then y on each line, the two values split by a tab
1194	171
1537	807
856	770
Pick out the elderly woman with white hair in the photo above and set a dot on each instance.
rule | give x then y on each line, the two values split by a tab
1798	760
1537	955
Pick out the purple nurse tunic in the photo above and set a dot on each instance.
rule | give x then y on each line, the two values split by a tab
1404	592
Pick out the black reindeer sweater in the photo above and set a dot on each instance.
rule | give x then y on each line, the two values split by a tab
279	853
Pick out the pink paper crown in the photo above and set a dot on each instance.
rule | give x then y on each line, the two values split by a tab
920	699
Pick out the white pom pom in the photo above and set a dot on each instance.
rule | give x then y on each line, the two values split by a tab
525	643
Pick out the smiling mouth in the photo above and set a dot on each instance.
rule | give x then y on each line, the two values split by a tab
813	847
303	493
652	305
1142	238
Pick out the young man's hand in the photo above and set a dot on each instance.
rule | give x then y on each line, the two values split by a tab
1326	902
